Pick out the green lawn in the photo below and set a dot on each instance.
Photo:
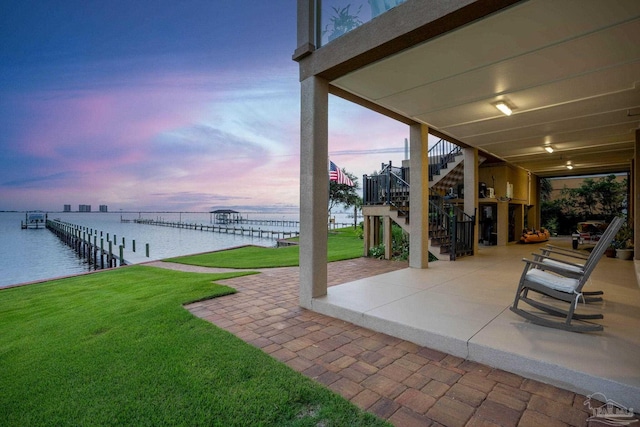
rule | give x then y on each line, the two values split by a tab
118	348
343	244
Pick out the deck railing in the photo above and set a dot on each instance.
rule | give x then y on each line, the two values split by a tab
389	187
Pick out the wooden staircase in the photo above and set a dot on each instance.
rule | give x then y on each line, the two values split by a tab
387	195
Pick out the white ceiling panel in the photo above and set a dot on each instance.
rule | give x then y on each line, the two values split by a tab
570	68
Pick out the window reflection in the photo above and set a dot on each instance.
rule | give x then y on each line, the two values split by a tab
338	17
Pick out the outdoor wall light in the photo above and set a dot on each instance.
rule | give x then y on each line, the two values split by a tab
569	166
503	107
548	149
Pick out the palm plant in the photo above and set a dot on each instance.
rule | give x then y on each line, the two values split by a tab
342	22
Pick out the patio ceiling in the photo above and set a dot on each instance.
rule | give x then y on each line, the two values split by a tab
570	69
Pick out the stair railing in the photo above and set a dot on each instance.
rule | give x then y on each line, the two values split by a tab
462	231
439	220
453	227
398	190
440	155
391	187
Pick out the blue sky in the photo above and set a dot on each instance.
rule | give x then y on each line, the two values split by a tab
178	105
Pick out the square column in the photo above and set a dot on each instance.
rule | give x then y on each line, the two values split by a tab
388	237
503	223
419	196
365	235
314	188
471	190
634	184
374	231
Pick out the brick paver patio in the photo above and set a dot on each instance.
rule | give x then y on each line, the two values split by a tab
397	380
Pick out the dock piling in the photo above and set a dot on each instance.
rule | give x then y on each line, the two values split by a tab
78	238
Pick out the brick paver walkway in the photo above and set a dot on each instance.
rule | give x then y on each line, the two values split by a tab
395	379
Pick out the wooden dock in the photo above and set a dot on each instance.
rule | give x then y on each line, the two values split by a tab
91	245
227	229
268	222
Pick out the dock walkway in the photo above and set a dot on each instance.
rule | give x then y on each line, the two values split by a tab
227	229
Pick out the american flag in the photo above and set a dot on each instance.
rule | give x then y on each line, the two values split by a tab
335	174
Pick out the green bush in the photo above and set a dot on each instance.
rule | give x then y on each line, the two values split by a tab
377	251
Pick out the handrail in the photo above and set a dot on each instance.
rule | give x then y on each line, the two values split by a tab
456	225
398	194
462	232
440	155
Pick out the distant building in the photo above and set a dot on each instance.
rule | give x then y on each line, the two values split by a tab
67	208
103	208
84	208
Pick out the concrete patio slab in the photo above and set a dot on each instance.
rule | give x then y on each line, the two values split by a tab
462	309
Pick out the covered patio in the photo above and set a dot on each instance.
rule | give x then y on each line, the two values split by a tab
568	71
462	308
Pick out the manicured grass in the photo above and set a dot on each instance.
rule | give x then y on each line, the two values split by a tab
118	348
343	244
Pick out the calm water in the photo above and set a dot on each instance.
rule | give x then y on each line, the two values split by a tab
29	255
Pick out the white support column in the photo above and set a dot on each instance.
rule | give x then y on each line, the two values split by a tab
471	190
419	196
314	188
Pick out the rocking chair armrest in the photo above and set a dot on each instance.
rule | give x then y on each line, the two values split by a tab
565	252
537	257
559	270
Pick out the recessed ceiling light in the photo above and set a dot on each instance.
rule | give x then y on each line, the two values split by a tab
548	149
503	107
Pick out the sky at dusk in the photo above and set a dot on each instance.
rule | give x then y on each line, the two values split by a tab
177	105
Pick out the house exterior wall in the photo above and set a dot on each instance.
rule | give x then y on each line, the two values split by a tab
514	213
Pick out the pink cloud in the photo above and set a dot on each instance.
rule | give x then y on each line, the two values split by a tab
193	141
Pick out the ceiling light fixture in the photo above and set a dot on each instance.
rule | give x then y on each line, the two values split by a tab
503	107
548	149
569	165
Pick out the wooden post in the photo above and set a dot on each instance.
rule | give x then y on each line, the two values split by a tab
121	255
134	245
147	248
95	249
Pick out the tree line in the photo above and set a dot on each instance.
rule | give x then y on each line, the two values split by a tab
595	199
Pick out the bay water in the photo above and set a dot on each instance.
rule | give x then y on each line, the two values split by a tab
37	254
